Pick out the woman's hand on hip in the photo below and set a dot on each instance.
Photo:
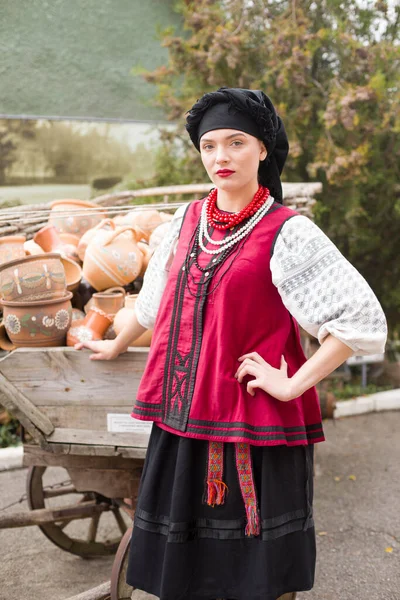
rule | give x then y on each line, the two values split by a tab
273	381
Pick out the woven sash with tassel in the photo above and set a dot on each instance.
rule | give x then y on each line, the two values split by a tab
216	488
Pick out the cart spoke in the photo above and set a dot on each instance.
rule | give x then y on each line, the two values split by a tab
118	517
93	527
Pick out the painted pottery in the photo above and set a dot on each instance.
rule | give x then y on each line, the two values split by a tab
38	324
32	248
73	273
147	254
158	235
98	231
11	247
113	260
48	238
91	328
69	238
77	314
124	315
146	220
73	216
33	278
5	342
110	301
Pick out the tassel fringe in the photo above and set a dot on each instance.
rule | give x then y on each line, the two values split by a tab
216	490
253	521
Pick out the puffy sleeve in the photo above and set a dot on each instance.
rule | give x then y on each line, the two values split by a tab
323	291
156	275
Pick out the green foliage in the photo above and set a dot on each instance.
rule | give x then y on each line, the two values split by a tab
12	132
9	430
351	390
335	82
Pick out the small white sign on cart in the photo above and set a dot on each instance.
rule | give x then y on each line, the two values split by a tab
124	423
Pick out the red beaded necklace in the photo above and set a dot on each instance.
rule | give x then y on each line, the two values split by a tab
223	221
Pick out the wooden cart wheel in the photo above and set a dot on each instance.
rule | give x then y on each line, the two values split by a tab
120	590
86	537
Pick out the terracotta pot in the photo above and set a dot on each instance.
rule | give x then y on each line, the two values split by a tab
49	239
69	238
91	328
98	231
77	314
166	217
76	218
73	273
5	342
158	235
32	248
114	260
11	247
146	220
110	301
33	278
124	315
38	324
147	254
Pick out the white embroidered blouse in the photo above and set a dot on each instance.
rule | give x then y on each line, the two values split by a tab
318	286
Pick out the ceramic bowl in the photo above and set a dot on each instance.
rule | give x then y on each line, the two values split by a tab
33	278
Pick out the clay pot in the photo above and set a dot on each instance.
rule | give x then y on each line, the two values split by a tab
32	248
5	342
77	314
124	315
38	324
147	254
98	232
146	220
113	260
69	238
91	328
73	273
76	218
11	247
33	278
50	241
158	235
110	301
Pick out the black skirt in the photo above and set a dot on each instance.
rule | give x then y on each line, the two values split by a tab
182	548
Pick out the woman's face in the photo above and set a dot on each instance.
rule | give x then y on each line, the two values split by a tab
231	157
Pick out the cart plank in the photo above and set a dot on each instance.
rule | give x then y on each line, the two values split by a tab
64	376
88	437
104	457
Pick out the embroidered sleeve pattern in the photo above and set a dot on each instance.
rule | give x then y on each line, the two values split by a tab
323	291
156	275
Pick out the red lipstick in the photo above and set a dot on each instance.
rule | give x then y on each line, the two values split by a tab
225	172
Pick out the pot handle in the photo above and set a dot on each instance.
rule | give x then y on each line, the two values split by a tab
116	288
105	222
117	232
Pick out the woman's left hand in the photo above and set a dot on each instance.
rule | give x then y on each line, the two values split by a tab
273	381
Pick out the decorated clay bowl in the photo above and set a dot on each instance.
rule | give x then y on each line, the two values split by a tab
73	216
11	247
38	324
33	278
5	342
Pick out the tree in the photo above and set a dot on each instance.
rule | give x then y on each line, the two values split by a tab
12	132
332	70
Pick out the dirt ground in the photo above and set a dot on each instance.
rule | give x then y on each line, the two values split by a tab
356	514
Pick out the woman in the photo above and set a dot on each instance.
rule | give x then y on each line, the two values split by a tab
225	501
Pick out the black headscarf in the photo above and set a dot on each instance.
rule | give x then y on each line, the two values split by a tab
250	111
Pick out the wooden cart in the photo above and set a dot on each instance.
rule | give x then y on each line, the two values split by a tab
78	468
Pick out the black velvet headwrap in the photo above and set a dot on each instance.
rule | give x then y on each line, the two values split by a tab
250	111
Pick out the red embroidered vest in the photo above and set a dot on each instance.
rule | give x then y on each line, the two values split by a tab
188	386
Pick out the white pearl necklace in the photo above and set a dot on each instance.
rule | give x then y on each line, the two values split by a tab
234	238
